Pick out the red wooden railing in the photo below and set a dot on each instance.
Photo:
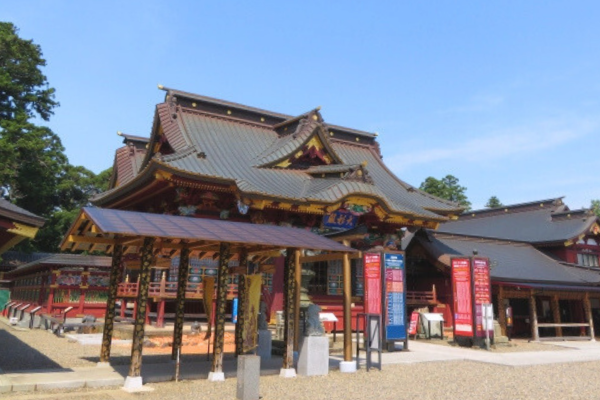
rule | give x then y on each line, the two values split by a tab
167	290
421	297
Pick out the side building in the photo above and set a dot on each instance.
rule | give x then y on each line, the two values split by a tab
544	261
55	282
16	225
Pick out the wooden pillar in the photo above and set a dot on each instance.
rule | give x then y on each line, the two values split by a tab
160	314
347	278
123	307
588	312
134	314
49	306
289	291
142	302
81	304
40	300
556	314
242	306
535	334
224	256
148	309
109	316
184	267
297	289
501	310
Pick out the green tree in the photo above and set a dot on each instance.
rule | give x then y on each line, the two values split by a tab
24	88
32	156
34	171
447	188
595	207
494	202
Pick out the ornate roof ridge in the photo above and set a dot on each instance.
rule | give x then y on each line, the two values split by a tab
519	207
225	103
223	117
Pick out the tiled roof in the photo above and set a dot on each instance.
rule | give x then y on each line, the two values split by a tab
13	259
242	149
511	262
64	260
18	214
532	223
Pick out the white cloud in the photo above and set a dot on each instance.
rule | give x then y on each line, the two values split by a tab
498	144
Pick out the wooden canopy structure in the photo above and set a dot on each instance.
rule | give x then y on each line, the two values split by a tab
119	232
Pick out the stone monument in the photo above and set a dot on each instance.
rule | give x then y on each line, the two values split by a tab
314	347
265	337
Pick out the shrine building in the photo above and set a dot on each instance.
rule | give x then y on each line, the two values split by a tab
214	159
544	265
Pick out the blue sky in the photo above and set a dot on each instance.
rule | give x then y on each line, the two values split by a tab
503	95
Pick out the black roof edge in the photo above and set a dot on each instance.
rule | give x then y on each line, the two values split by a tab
514	206
243	107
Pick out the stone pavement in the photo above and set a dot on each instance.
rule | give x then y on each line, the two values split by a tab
576	351
420	352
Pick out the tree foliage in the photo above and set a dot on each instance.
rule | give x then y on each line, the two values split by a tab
494	202
35	173
24	87
447	188
595	207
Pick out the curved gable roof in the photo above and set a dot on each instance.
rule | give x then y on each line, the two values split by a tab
227	142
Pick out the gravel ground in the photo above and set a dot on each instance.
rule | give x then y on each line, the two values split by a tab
439	380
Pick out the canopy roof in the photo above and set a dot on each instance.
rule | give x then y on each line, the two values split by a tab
100	229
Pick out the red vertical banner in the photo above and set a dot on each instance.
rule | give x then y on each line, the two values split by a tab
482	292
372	276
463	306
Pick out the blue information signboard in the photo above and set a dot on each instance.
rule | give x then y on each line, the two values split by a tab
395	297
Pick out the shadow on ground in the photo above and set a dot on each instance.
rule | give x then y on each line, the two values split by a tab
11	347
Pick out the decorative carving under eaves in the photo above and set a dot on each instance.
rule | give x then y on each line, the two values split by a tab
359	175
172	103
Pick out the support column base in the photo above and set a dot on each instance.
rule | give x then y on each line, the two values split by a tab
348	367
133	384
103	364
216	376
287	373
